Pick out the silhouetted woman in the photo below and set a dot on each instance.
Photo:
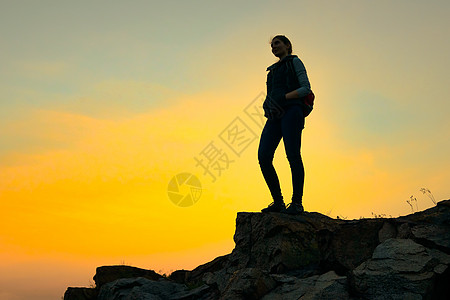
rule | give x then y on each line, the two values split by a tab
284	107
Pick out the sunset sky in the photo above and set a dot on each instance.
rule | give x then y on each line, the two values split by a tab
102	103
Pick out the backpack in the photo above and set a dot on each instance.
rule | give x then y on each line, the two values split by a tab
309	99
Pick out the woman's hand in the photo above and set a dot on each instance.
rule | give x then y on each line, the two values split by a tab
292	95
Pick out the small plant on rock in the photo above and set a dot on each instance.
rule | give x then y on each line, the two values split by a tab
428	193
412	202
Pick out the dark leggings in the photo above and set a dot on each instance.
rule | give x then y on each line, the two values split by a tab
289	127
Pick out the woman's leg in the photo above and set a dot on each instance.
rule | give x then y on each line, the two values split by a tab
292	125
270	138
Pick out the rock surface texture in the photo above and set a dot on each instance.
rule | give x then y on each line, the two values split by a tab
310	256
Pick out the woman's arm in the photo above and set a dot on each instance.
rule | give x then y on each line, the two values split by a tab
300	72
292	95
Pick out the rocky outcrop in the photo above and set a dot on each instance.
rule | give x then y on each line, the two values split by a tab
81	293
142	288
401	268
325	286
107	274
309	256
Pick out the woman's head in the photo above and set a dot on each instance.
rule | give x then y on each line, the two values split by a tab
281	46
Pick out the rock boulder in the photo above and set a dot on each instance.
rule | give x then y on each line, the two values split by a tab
310	256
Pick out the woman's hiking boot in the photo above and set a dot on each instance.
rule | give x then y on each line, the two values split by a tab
294	208
274	207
